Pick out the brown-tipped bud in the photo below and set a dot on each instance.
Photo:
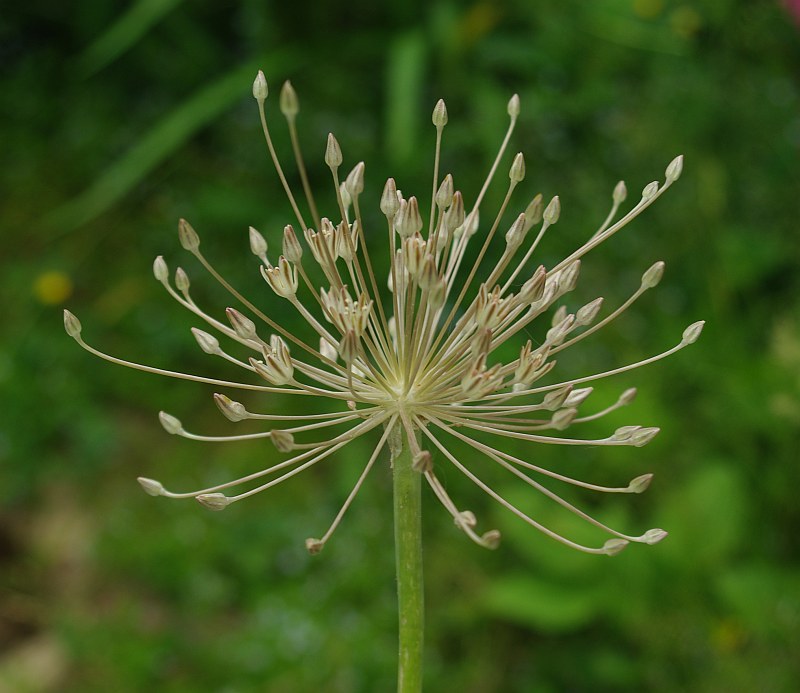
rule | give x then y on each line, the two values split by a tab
292	250
439	116
333	152
414	254
552	211
160	269
389	202
288	100
578	396
517	171
422	462
620	193
428	275
348	347
171	424
258	245
481	343
555	398
516	234
444	195
513	106
454	216
533	289
563	418
653	275
408	220
282	440
568	278
188	236
586	314
557	333
214	501
533	212
207	342
182	282
613	546
640	484
314	546
649	191
260	88
71	324
242	325
491	539
354	183
674	169
231	410
691	333
151	486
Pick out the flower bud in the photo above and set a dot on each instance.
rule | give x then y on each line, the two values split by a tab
513	106
674	169
627	397
292	250
333	152
491	539
231	410
653	275
439	116
242	325
389	202
653	536
170	423
613	546
444	196
258	245
214	501
71	324
640	484
691	333
282	440
182	282
314	546
160	269
516	234
188	236
517	171
643	436
207	342
288	100
151	486
587	314
650	190
620	193
552	211
533	212
354	183
260	89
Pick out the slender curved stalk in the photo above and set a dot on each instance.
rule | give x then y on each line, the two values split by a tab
408	551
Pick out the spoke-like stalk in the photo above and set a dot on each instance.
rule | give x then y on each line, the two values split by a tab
408	552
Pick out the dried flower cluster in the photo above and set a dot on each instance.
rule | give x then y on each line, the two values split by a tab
424	363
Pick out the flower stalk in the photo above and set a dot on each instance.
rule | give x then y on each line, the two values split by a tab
407	488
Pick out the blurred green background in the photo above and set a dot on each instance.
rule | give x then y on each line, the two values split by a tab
119	118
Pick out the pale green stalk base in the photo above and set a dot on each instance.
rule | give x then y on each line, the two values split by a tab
408	552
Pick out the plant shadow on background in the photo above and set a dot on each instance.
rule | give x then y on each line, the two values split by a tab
117	124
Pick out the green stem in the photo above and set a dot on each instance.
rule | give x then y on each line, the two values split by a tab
408	552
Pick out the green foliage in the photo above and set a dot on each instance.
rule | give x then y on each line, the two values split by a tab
118	122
